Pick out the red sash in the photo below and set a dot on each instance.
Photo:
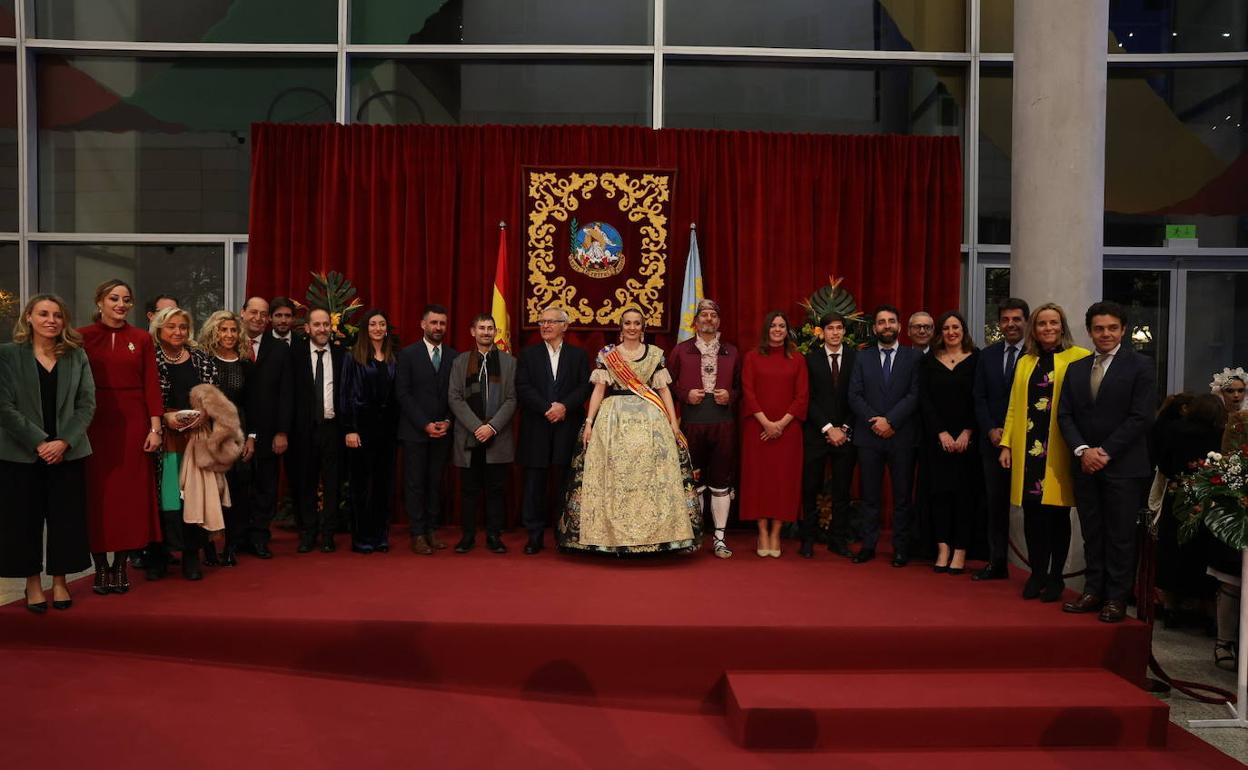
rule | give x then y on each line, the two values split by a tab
625	374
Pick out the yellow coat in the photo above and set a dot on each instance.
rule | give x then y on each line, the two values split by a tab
1058	484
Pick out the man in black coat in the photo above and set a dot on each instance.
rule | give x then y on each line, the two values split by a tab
316	438
269	412
994	376
1105	408
422	382
552	384
827	435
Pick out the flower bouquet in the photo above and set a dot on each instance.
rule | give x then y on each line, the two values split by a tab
1216	493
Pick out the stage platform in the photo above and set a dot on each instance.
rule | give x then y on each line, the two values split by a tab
486	660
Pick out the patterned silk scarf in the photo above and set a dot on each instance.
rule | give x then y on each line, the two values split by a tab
625	374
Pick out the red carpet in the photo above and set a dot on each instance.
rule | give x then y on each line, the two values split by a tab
482	660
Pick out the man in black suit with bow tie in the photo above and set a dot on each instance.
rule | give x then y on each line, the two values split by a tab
552	384
1105	408
422	383
828	437
994	375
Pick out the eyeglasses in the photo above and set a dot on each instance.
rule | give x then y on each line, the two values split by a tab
548	322
922	327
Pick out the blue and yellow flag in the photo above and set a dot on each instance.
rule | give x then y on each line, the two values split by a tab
692	293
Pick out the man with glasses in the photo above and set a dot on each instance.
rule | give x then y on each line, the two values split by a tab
921	330
552	383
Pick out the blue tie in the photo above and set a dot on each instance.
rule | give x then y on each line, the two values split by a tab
437	358
888	365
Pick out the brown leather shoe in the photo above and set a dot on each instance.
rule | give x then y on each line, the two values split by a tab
434	542
1085	603
421	546
1113	611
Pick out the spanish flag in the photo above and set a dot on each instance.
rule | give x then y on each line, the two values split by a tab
502	339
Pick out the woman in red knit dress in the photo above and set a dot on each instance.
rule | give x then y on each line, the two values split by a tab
775	393
121	485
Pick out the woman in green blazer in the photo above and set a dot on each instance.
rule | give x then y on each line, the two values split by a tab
47	399
1033	448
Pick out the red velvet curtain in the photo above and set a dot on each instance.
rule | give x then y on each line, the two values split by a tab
410	214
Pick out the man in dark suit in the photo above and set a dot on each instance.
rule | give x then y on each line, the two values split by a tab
316	438
269	412
1105	408
552	384
884	397
422	381
994	374
828	437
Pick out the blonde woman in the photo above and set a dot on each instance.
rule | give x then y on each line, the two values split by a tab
180	366
222	338
47	400
1033	449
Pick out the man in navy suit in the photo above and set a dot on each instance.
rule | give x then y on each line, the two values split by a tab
884	397
994	375
422	382
827	437
552	385
316	443
1105	408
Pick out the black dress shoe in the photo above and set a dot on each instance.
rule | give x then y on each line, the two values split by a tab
534	545
328	545
495	545
865	555
1052	590
306	544
229	556
992	572
900	560
261	551
1113	611
807	549
190	566
465	544
840	549
383	548
1033	587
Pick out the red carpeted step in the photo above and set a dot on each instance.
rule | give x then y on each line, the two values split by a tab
941	709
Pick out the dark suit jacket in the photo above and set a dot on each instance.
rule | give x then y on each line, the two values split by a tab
1119	419
543	443
21	403
421	391
306	396
828	404
898	402
991	390
267	393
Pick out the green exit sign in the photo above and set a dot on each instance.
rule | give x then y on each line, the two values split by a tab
1174	232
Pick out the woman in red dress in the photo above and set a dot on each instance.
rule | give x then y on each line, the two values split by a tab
121	485
775	395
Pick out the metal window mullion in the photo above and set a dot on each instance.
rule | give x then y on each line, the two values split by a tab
148	48
342	103
816	54
27	198
971	168
499	50
135	238
658	10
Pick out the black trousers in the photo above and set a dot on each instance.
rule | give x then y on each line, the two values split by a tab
815	462
480	477
997	491
238	515
39	495
1046	529
178	535
317	460
265	473
899	460
371	469
1108	512
424	463
534	508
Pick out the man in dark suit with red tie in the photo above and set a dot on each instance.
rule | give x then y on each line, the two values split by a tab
1105	408
269	410
828	437
994	374
552	385
422	384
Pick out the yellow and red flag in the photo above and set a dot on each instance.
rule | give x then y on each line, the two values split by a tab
502	338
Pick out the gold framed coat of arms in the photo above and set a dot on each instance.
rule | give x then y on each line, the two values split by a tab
596	243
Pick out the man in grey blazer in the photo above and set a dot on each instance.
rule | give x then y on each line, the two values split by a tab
482	397
884	397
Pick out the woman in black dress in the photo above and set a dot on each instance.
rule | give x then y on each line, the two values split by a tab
369	414
946	378
220	337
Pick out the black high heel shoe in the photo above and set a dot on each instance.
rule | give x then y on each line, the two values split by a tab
103	583
36	607
121	579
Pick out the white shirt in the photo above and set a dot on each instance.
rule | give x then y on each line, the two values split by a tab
553	352
285	339
327	397
430	347
840	361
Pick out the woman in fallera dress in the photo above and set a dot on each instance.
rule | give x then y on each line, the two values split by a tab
631	488
121	503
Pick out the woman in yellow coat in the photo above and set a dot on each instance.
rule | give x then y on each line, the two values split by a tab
1033	448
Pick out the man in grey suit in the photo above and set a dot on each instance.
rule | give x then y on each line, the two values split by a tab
482	397
884	397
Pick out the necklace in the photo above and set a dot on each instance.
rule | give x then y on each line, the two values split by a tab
182	355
